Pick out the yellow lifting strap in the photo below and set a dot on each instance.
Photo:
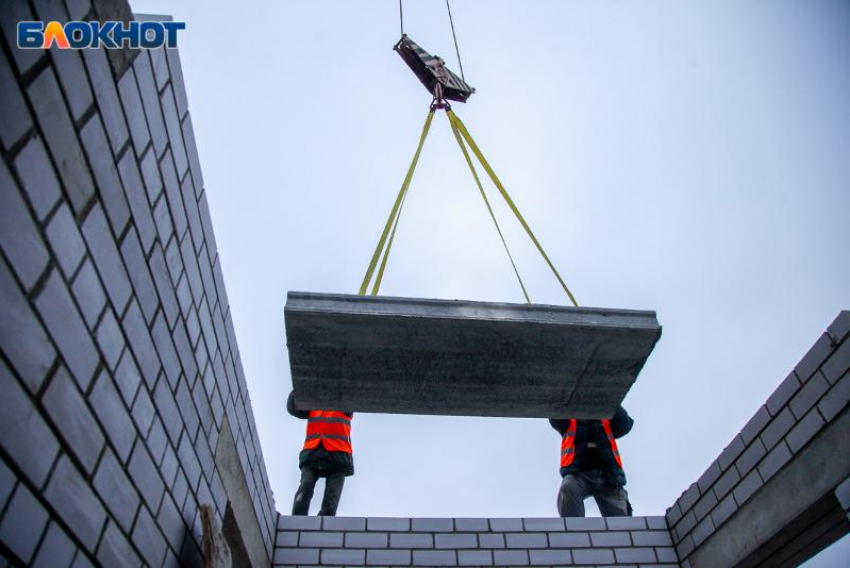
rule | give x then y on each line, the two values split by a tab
486	201
392	221
462	129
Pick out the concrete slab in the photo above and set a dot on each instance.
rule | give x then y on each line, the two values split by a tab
448	357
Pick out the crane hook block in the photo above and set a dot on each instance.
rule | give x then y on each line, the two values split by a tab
432	72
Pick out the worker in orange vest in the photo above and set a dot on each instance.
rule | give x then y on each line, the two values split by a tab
326	453
591	465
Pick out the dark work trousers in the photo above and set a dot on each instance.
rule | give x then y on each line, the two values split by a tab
613	501
333	491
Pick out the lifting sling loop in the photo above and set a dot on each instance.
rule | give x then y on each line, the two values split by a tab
461	135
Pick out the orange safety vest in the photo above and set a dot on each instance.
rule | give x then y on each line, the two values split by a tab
330	428
568	444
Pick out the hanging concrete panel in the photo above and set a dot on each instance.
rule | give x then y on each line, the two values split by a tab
461	358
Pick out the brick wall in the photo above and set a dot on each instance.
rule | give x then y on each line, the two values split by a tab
357	541
808	400
118	360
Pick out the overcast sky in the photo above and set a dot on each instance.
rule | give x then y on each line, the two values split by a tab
685	157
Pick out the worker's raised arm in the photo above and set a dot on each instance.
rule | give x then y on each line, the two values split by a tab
290	408
622	423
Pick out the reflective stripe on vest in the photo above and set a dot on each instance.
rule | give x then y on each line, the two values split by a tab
606	425
568	445
330	428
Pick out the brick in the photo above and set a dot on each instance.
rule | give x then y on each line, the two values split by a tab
702	531
7	483
56	549
205	459
347	557
160	68
165	348
321	539
585	524
73	499
755	425
141	344
106	259
145	475
550	557
110	410
804	430
37	176
68	329
61	139
148	539
471	525
434	558
774	461
157	441
105	174
116	491
387	524
840	327
543	524
748	486
19	235
475	558
15	120
193	214
667	555
777	429
150	100
22	338
673	515
173	195
110	339
72	75
73	419
705	505
731	452
464	540
115	549
171	523
626	523
206	221
569	540
836	399
651	538
159	271
726	482
506	524
689	497
809	395
593	556
189	461
750	457
174	261
127	378
13	13
162	219
175	133
134	258
209	336
416	540
131	179
106	95
287	539
89	293
635	555
783	394
683	527
388	557
24	521
814	358
150	175
436	525
837	364
66	241
128	91
176	71
293	556
656	523
193	273
724	510
187	409
610	538
168	411
684	548
143	411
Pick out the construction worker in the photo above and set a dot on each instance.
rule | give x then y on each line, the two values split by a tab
326	453
591	465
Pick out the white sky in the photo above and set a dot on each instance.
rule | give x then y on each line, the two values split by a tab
684	157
